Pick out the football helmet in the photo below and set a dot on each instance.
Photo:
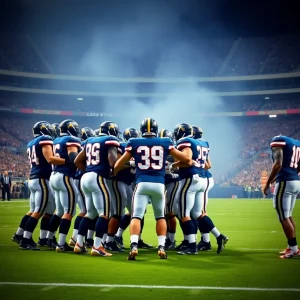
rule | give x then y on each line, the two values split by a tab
69	127
56	130
165	133
197	132
149	127
182	130
109	128
86	132
96	132
42	128
130	133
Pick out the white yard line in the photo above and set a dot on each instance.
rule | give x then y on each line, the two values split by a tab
169	287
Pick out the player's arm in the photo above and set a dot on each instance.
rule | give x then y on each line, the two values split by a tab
121	162
112	155
72	153
51	159
278	158
183	158
207	164
80	160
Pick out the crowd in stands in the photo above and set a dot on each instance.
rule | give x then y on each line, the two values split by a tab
214	57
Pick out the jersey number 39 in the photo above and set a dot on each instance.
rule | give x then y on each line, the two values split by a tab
152	157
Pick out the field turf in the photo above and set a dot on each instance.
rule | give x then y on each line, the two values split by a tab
248	268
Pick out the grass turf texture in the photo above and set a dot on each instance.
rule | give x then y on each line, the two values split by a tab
250	260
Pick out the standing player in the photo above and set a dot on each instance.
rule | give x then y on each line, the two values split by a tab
149	153
40	155
96	159
62	181
205	223
171	183
285	169
86	132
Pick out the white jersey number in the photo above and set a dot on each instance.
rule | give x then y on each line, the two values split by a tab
202	156
92	154
155	153
33	159
295	158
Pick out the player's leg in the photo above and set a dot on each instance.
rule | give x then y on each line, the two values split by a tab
68	198
90	233
157	193
187	190
171	189
17	237
139	205
82	212
125	220
284	200
118	200
101	200
41	197
45	220
85	185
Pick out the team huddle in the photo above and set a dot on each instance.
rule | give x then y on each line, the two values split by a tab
106	174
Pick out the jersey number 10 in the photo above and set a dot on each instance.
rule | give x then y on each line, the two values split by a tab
295	158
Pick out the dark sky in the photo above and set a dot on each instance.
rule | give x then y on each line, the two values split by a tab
213	17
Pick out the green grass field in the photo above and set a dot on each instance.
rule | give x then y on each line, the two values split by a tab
249	262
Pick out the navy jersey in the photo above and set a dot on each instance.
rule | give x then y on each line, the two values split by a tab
150	157
200	151
291	157
207	174
126	175
96	149
40	168
60	149
79	173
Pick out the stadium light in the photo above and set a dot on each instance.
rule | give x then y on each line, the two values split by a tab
80	99
272	116
267	98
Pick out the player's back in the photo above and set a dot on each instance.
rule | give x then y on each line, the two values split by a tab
60	149
291	157
40	168
200	151
150	157
126	175
96	149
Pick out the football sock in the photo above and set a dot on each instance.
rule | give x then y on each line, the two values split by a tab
90	234
293	244
44	226
215	232
29	228
104	238
120	232
171	236
83	228
134	238
125	221
208	222
161	240
76	227
189	231
110	238
101	227
64	227
205	237
53	226
21	228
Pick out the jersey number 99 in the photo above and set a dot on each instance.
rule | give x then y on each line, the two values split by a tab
155	153
92	154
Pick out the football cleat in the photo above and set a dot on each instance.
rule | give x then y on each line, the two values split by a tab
17	238
99	252
112	246
143	245
80	249
204	246
32	242
26	244
89	243
72	242
285	251
64	248
221	241
42	242
162	253
291	254
119	242
188	251
52	243
182	246
133	251
170	245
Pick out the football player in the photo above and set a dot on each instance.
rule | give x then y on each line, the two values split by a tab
285	169
96	159
171	182
62	181
86	132
126	178
56	130
40	155
205	223
149	153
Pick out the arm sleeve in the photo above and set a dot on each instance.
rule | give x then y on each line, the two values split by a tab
130	145
278	141
73	142
46	140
